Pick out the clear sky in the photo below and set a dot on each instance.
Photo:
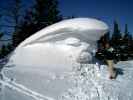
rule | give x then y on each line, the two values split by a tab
106	10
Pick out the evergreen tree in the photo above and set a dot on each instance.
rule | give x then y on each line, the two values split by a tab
1	35
46	12
16	17
43	13
116	36
107	37
127	35
116	33
3	52
126	29
9	47
11	16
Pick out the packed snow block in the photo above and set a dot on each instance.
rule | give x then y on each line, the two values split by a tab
59	45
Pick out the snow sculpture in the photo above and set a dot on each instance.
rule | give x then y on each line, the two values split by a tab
60	43
43	63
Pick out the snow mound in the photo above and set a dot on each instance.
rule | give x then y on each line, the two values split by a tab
60	45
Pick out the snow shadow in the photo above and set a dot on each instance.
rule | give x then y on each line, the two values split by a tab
119	71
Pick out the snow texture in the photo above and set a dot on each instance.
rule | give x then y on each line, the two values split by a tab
93	84
90	82
57	63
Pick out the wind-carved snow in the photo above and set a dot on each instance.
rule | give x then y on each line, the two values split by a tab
57	63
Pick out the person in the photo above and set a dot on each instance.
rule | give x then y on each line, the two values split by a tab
109	56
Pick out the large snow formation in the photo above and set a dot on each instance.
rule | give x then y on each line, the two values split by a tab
57	45
47	66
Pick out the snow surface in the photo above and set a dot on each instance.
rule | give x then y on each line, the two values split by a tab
90	82
93	84
57	63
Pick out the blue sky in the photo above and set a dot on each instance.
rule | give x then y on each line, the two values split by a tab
106	10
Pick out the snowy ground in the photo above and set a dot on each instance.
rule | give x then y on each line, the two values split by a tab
95	85
89	83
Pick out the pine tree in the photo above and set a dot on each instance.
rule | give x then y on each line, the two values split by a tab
127	35
43	13
116	33
3	52
126	29
116	27
1	35
11	16
107	37
16	13
46	12
116	36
